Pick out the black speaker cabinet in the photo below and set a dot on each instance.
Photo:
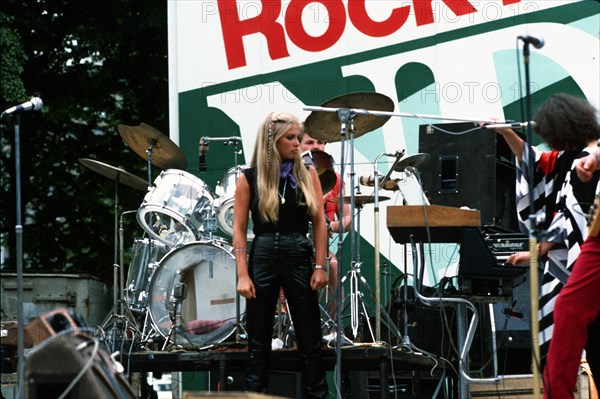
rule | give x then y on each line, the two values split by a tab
473	169
52	366
513	331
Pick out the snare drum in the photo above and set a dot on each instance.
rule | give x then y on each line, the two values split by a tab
323	163
208	311
226	196
178	209
145	254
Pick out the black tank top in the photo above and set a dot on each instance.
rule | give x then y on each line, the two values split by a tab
293	215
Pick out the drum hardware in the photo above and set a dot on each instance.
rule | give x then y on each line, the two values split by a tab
228	141
398	165
225	189
324	123
378	185
357	281
118	175
179	295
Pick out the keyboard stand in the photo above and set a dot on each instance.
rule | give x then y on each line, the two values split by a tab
433	223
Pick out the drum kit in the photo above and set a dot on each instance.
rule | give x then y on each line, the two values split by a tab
180	282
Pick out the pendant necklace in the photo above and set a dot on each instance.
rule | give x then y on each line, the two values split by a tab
282	196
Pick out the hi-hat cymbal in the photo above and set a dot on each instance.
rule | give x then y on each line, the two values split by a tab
165	153
415	161
360	200
326	126
115	173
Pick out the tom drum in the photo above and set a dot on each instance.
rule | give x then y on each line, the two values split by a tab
178	209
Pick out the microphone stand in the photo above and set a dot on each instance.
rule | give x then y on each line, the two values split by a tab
346	117
533	234
398	155
19	243
360	111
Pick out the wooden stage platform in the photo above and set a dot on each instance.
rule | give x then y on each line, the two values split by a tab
225	359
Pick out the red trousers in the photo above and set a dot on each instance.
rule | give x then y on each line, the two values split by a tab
577	306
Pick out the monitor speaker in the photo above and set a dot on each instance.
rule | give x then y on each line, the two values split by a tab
469	166
66	363
75	365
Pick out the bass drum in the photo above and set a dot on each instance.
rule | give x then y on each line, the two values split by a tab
226	196
209	309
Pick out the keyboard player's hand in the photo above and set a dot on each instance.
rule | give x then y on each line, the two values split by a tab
518	258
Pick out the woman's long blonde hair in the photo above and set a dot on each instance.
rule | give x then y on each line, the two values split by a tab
267	161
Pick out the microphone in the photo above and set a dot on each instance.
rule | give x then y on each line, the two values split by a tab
536	42
508	125
35	104
202	150
512	313
369	181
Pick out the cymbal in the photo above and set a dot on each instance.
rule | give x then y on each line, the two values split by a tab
165	153
360	200
115	173
415	161
326	126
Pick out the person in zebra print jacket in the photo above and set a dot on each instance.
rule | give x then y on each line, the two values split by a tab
569	127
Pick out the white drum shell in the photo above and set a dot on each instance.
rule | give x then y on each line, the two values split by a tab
209	311
178	208
145	253
226	198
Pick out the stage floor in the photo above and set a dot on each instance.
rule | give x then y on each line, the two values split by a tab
357	357
232	357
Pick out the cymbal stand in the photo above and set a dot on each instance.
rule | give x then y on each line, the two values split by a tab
228	141
355	293
112	322
149	160
378	185
115	307
357	298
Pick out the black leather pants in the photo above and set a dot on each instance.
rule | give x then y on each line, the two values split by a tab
283	261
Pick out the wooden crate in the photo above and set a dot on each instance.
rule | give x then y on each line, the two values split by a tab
521	387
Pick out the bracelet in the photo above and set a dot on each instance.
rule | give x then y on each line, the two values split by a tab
319	267
235	251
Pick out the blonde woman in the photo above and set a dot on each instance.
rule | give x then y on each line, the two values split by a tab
282	196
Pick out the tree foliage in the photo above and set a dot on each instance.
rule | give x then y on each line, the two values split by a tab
95	65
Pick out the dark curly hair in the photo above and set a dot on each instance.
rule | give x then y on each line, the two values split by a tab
567	123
